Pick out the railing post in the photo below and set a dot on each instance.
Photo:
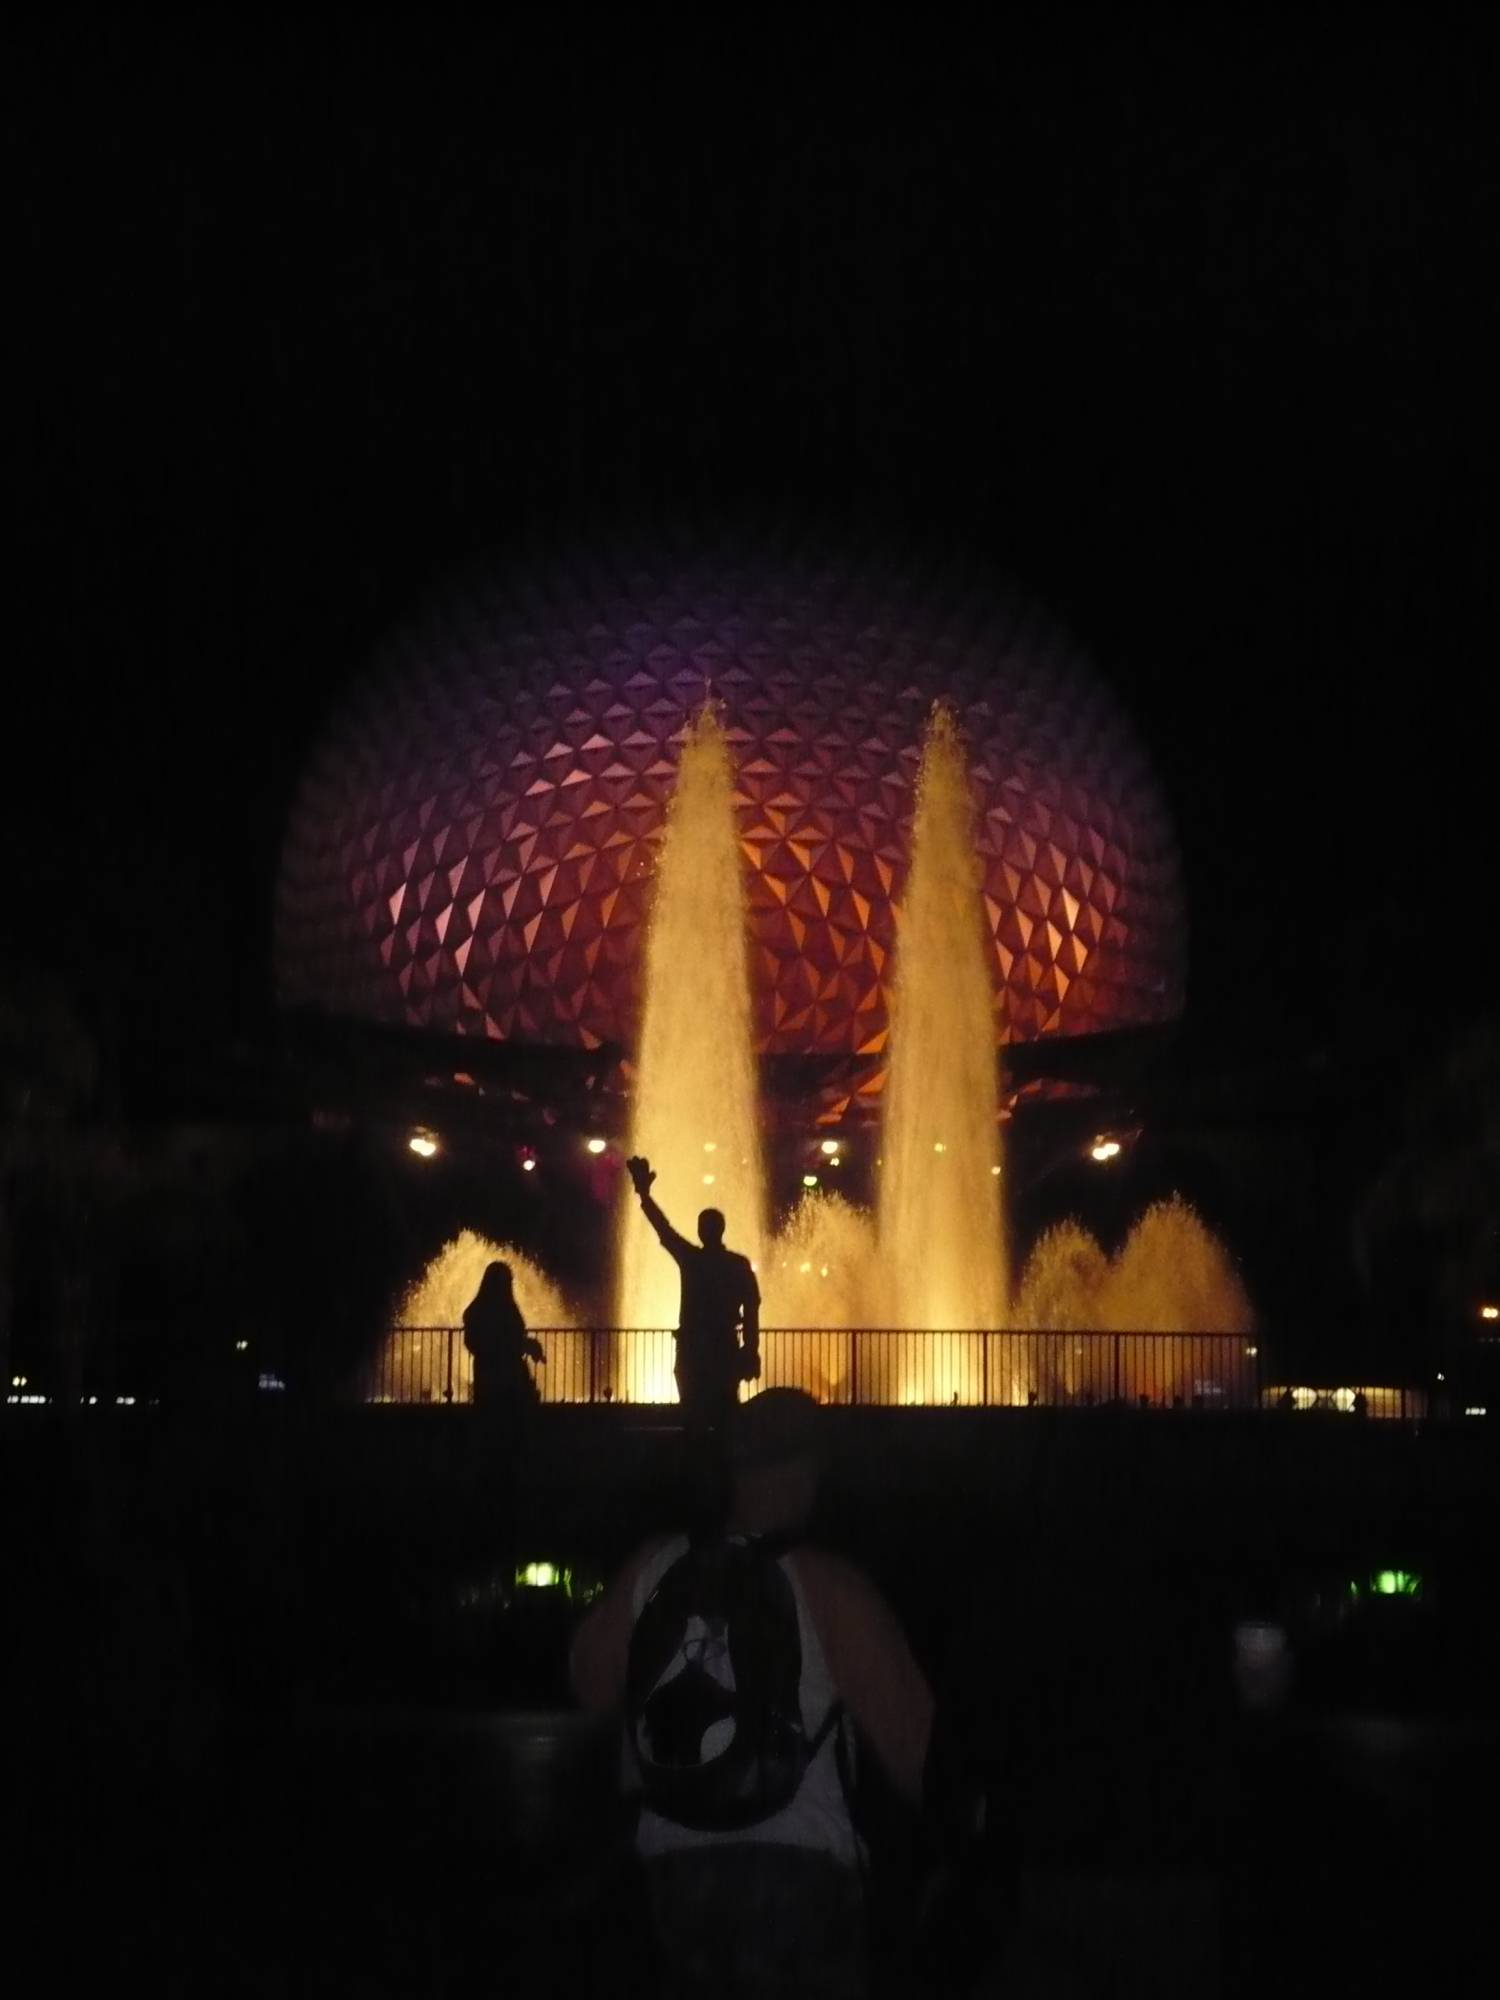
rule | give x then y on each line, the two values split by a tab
984	1386
591	1394
1116	1339
853	1366
448	1378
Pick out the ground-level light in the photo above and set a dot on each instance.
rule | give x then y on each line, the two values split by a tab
422	1144
544	1576
809	1180
1388	1583
596	1145
1104	1149
1397	1583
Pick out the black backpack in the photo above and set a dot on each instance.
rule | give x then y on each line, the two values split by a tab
713	1689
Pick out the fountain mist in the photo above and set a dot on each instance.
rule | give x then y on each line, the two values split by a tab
695	1113
936	1258
821	1268
940	1214
1170	1275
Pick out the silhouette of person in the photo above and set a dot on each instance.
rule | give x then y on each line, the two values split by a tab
496	1337
776	1906
718	1321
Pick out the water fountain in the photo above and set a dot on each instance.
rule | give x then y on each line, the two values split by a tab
933	1258
420	1366
1171	1275
941	1241
694	1114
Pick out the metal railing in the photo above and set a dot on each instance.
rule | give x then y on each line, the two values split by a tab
868	1366
880	1366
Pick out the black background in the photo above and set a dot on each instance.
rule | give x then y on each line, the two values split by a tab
1194	328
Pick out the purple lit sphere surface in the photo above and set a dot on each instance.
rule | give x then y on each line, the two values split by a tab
472	849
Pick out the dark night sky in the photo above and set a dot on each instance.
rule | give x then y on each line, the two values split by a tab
1196	331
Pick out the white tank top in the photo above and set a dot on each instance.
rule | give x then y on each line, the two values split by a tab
818	1817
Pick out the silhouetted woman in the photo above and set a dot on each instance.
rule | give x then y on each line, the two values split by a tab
495	1335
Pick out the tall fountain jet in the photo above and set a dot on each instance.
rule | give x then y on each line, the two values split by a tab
695	1114
933	1258
942	1248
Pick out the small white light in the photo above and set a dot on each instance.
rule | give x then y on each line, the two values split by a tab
1252	1352
804	1267
1441	1376
938	1146
809	1180
829	1147
1489	1312
710	1145
240	1346
18	1381
1476	1410
994	1170
1104	1149
708	1180
596	1145
528	1166
823	1271
422	1144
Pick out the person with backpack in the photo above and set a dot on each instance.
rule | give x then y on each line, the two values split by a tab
718	1322
747	1668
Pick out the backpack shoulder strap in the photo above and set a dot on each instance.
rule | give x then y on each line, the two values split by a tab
834	1716
657	1627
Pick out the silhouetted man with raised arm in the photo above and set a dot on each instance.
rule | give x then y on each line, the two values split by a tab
718	1322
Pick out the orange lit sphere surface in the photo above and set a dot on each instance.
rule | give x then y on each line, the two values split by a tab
472	850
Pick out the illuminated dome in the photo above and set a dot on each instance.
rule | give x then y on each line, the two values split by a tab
472	849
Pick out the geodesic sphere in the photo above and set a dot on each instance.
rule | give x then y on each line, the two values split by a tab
472	848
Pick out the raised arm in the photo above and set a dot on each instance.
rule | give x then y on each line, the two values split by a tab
641	1177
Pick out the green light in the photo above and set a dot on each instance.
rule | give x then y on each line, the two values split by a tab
544	1576
1398	1583
1388	1583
